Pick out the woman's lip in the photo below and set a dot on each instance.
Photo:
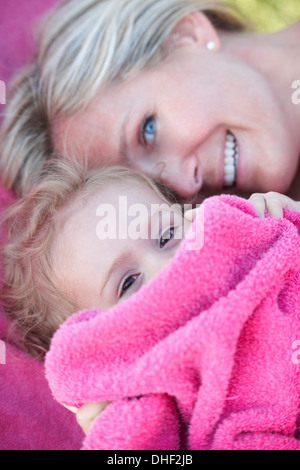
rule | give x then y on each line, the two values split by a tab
239	168
196	175
221	183
221	172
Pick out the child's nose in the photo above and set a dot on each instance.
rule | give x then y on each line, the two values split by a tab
154	264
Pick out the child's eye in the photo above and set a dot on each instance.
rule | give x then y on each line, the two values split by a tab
128	282
166	237
148	130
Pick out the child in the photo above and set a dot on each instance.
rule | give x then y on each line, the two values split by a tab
56	235
61	258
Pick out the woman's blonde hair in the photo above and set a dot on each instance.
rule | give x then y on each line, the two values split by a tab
31	294
84	45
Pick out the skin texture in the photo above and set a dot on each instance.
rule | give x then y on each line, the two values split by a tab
250	95
115	264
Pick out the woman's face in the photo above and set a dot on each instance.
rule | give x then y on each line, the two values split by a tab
172	122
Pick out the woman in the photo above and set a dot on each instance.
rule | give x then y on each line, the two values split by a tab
160	86
180	89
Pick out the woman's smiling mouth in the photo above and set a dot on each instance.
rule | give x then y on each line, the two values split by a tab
231	156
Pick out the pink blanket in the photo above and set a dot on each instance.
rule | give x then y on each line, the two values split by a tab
29	416
30	419
207	355
18	23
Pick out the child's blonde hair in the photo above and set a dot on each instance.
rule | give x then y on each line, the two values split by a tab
83	46
31	295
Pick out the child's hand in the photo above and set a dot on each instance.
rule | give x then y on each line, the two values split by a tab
190	214
273	203
87	413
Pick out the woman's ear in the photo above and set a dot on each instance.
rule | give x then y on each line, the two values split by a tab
193	29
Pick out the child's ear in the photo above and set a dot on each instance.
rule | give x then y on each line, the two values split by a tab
193	29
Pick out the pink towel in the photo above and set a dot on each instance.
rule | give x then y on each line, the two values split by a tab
203	357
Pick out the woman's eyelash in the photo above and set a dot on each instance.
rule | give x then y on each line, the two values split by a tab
147	130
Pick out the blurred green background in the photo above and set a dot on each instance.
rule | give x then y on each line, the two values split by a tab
270	15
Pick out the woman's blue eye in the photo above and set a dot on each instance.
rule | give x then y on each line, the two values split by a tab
148	130
166	237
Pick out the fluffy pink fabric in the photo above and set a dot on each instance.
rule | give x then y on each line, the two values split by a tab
203	357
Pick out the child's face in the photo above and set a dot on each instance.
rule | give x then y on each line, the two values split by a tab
106	252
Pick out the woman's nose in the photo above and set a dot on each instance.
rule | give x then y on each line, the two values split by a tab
183	175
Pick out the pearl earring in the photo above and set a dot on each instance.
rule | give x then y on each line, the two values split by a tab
210	45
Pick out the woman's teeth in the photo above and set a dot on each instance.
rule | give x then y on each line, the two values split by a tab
231	156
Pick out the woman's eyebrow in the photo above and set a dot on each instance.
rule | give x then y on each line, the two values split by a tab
124	147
